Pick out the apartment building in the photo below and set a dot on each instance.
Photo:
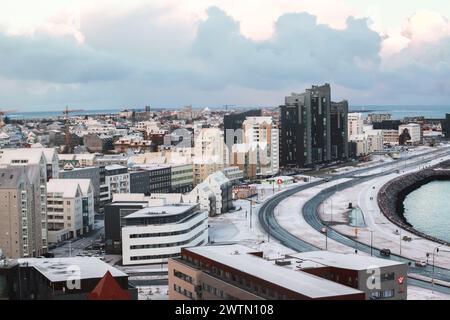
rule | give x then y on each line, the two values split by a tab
65	209
154	234
117	180
20	213
235	272
35	161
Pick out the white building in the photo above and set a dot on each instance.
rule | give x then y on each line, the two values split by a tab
155	234
209	153
262	142
64	209
355	124
4	139
414	131
117	180
234	174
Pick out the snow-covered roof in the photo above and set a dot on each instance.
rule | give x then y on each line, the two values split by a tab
59	269
345	261
152	211
114	167
68	187
238	257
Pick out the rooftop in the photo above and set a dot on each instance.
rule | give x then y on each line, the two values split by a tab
349	261
238	257
59	269
173	209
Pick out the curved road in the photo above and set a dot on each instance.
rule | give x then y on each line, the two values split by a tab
310	209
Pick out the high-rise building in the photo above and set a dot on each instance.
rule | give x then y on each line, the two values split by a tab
234	122
36	167
305	136
21	232
339	130
261	144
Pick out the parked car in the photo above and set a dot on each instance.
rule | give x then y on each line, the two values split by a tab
406	238
324	230
421	263
385	252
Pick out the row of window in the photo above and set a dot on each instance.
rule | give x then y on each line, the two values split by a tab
164	234
166	245
182	291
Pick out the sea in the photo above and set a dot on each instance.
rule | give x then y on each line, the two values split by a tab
397	112
428	211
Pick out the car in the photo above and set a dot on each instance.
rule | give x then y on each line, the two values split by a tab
323	230
385	252
406	238
421	263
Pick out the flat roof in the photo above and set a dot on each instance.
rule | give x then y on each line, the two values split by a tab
161	210
238	257
349	261
59	269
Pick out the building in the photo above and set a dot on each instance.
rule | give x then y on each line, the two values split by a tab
261	141
133	144
209	152
87	199
159	179
98	142
415	133
20	215
214	194
339	130
115	212
35	162
235	272
232	124
79	160
358	271
97	176
305	135
155	234
65	210
378	117
75	278
234	174
139	181
355	124
117	180
446	125
181	178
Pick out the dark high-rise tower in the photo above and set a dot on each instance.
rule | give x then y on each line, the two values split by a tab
313	129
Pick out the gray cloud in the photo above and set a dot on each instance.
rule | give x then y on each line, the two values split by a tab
139	59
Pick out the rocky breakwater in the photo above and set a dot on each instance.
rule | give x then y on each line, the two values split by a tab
392	195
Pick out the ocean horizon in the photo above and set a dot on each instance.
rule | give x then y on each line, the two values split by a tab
398	112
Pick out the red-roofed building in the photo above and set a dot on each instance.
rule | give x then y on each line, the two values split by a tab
109	289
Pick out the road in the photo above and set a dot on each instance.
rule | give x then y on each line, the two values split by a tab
310	213
76	246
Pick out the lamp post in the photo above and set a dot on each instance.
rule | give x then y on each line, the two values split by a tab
436	250
400	242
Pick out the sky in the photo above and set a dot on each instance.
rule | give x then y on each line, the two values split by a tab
172	53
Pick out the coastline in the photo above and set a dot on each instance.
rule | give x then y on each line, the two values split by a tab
392	195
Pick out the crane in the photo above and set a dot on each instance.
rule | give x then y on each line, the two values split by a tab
3	113
68	137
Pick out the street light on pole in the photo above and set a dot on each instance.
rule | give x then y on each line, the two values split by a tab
371	242
436	250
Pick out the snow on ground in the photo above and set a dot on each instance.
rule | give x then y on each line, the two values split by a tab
153	292
235	226
383	231
417	293
289	215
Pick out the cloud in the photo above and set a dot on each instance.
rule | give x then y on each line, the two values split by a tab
149	56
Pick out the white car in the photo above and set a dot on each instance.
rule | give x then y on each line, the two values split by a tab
421	263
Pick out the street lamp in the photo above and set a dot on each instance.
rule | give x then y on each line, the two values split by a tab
436	250
371	242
